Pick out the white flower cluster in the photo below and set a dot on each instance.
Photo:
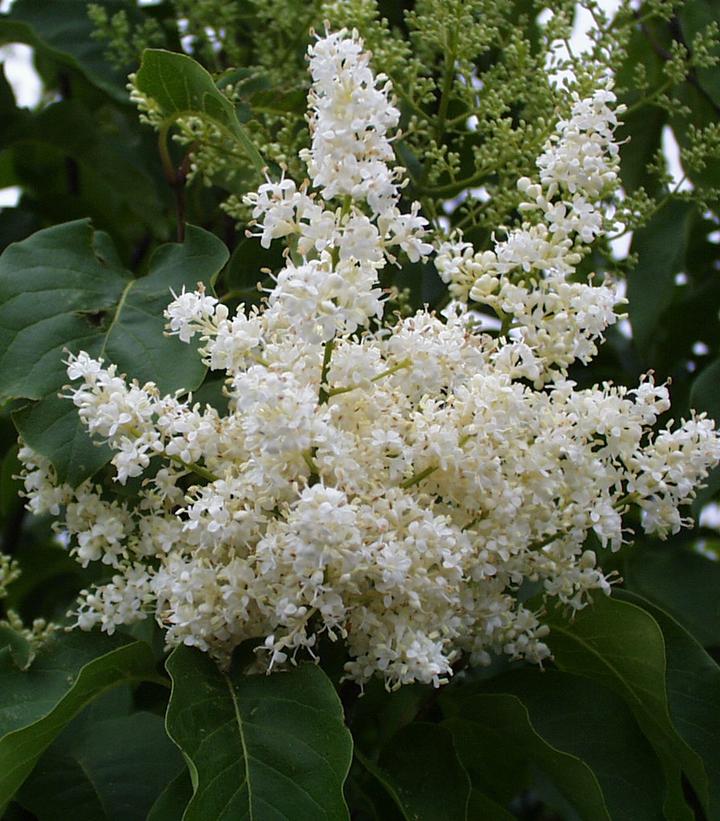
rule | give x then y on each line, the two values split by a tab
388	485
333	286
526	278
350	120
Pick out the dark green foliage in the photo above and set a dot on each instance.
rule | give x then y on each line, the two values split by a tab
38	703
257	747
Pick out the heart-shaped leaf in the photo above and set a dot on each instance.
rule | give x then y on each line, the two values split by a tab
259	747
62	289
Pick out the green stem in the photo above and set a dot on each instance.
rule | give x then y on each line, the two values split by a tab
324	394
506	320
397	88
405	363
471	214
193	467
650	98
307	456
175	178
416	478
163	147
459	185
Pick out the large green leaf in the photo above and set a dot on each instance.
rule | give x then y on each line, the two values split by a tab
52	427
480	806
113	180
693	686
368	798
83	777
497	737
259	747
64	289
622	646
56	287
586	720
705	394
63	30
427	779
170	804
180	87
35	705
575	731
682	582
661	246
378	715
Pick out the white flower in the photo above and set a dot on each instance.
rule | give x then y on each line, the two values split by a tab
281	207
351	117
391	486
187	314
582	156
321	300
407	231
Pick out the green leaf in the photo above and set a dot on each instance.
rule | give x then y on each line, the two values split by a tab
693	686
63	288
9	484
622	646
496	738
55	290
67	674
180	87
428	781
52	427
705	393
84	777
661	246
114	180
368	798
644	127
576	731
16	645
480	806
378	715
258	747
50	578
170	804
63	30
682	582
280	101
